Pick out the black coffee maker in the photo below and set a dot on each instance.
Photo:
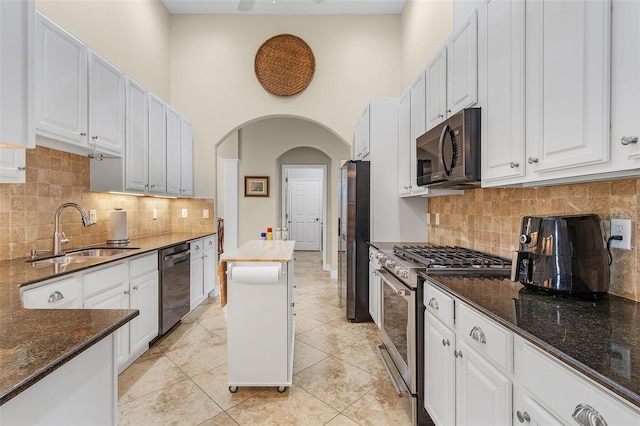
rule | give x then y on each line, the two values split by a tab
564	254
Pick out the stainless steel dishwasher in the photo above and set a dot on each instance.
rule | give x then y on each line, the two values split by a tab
175	275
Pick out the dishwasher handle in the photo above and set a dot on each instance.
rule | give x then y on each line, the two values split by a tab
176	256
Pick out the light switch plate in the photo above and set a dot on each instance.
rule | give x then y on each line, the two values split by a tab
205	213
621	227
155	214
184	212
92	216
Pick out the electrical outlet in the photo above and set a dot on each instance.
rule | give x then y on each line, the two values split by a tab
621	227
205	213
155	214
437	218
92	216
184	212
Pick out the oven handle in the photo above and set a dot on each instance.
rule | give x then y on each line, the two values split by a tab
398	383
387	277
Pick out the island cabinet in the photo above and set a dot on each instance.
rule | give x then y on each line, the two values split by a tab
260	314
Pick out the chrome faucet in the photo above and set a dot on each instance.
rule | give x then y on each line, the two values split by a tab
59	238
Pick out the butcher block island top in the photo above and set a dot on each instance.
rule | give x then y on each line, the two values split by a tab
262	251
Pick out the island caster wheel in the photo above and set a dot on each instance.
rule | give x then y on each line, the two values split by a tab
282	389
233	389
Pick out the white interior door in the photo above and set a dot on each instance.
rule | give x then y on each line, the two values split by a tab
305	218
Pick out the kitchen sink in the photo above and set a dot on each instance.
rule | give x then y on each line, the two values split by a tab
82	255
99	252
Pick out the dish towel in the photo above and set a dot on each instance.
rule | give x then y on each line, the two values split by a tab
222	279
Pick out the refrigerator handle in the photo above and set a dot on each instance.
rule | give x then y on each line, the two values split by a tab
339	227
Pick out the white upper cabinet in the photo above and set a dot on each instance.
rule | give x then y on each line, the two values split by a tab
137	141
157	145
13	165
625	84
186	157
567	84
17	61
404	144
61	87
106	105
173	151
452	75
362	136
418	101
501	90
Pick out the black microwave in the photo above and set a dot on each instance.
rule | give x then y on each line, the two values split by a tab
448	156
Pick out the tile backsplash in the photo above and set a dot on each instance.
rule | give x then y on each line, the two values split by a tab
489	219
54	177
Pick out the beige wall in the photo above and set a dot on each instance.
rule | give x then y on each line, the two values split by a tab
425	25
263	147
133	35
27	210
489	219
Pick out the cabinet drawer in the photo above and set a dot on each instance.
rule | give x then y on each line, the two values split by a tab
439	304
562	390
143	264
486	336
95	282
209	243
196	248
60	294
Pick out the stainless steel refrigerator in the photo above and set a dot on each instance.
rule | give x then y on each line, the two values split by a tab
353	251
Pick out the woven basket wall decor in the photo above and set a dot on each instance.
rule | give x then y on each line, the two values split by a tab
284	65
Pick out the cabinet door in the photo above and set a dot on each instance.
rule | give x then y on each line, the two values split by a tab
13	165
404	144
625	84
362	135
17	66
186	158
136	145
436	89
61	84
462	66
210	269
144	297
157	155
501	32
114	298
527	410
439	371
483	394
417	126
173	151
106	105
567	84
197	280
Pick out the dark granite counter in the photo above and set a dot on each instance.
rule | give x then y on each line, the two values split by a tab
35	342
599	338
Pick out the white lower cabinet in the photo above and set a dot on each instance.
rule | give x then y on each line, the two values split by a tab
83	391
57	293
374	295
143	296
197	274
555	390
463	385
209	265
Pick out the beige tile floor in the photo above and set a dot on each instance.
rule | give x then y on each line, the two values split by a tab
338	377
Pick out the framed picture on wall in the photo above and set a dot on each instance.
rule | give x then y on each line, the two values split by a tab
256	186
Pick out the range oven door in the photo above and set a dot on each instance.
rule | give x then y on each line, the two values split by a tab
398	349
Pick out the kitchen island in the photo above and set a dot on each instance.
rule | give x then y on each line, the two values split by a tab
259	294
41	347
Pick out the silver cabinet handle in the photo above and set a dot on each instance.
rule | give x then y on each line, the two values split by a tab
21	168
457	354
55	296
445	342
127	292
478	335
433	303
83	133
586	415
95	138
513	164
626	140
523	417
532	160
135	287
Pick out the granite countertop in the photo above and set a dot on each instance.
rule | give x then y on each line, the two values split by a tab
35	342
599	338
261	251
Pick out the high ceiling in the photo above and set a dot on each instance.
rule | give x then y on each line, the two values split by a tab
285	7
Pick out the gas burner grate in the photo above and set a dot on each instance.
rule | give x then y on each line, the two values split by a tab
451	257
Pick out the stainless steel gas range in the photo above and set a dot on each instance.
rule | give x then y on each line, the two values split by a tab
402	309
